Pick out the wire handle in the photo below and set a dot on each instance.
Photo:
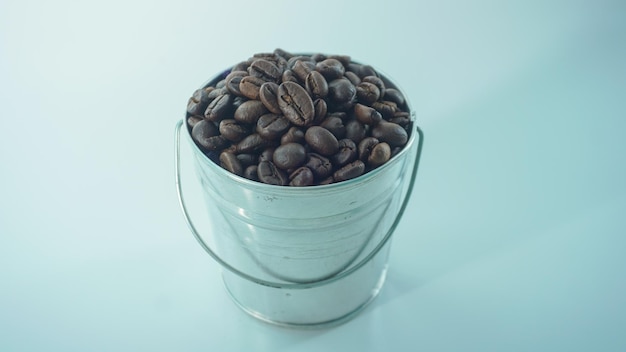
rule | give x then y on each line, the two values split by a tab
217	258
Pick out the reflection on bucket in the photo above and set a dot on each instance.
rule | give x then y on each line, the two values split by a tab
303	256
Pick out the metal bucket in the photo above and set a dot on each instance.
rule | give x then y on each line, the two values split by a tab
303	256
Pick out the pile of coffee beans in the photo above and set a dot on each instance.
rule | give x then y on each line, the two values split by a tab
299	120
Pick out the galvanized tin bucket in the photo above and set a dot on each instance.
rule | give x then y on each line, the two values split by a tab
303	256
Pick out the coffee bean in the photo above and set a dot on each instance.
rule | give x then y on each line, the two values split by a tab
394	95
215	92
319	165
293	135
265	70
247	159
198	102
355	131
367	115
272	126
302	69
289	156
367	93
303	176
347	153
237	101
232	82
193	120
391	133
316	84
401	118
344	59
267	154
365	147
317	57
292	61
268	94
377	82
250	86
250	173
379	155
251	144
341	92
206	135
282	53
335	125
321	140
232	130
352	77
219	107
295	103
349	171
386	108
250	111
270	174
290	76
230	162
241	66
330	68
321	108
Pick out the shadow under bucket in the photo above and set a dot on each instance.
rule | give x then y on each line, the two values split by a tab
303	256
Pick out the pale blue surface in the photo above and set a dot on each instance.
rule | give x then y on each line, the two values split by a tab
514	240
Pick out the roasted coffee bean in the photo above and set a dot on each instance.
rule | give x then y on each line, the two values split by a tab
232	82
267	154
250	86
270	174
394	95
198	102
377	82
321	108
344	59
349	171
230	162
379	155
290	76
367	93
316	84
219	107
295	103
206	134
241	66
250	111
193	120
391	133
302	69
386	108
215	92
272	126
347	153
352	77
232	130
367	115
289	156
251	144
341	91
355	131
250	173
264	69
330	68
292	60
319	165
268	94
237	101
365	147
221	84
247	159
303	176
335	125
282	53
293	135
317	57
401	118
321	140
367	70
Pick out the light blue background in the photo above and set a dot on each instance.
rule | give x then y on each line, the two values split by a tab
514	239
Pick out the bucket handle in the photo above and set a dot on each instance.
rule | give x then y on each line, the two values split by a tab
219	260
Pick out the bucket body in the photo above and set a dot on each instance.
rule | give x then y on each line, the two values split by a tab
304	256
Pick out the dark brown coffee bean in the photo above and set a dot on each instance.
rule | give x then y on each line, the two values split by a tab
291	62
232	82
250	87
347	153
237	101
319	165
295	103
241	66
330	68
355	131
321	108
206	134
367	115
232	130
247	159
367	70
268	94
317	57
335	125
352	77
402	118
379	155
349	171
375	80
267	154
316	84
272	126
265	70
198	102
193	120
289	156
270	174
341	91
251	144
367	93
302	69
321	140
215	92
394	95
365	147
386	108
391	133
250	173
282	53
303	176
250	111
219	108
344	59
293	135
230	162
290	76
221	84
